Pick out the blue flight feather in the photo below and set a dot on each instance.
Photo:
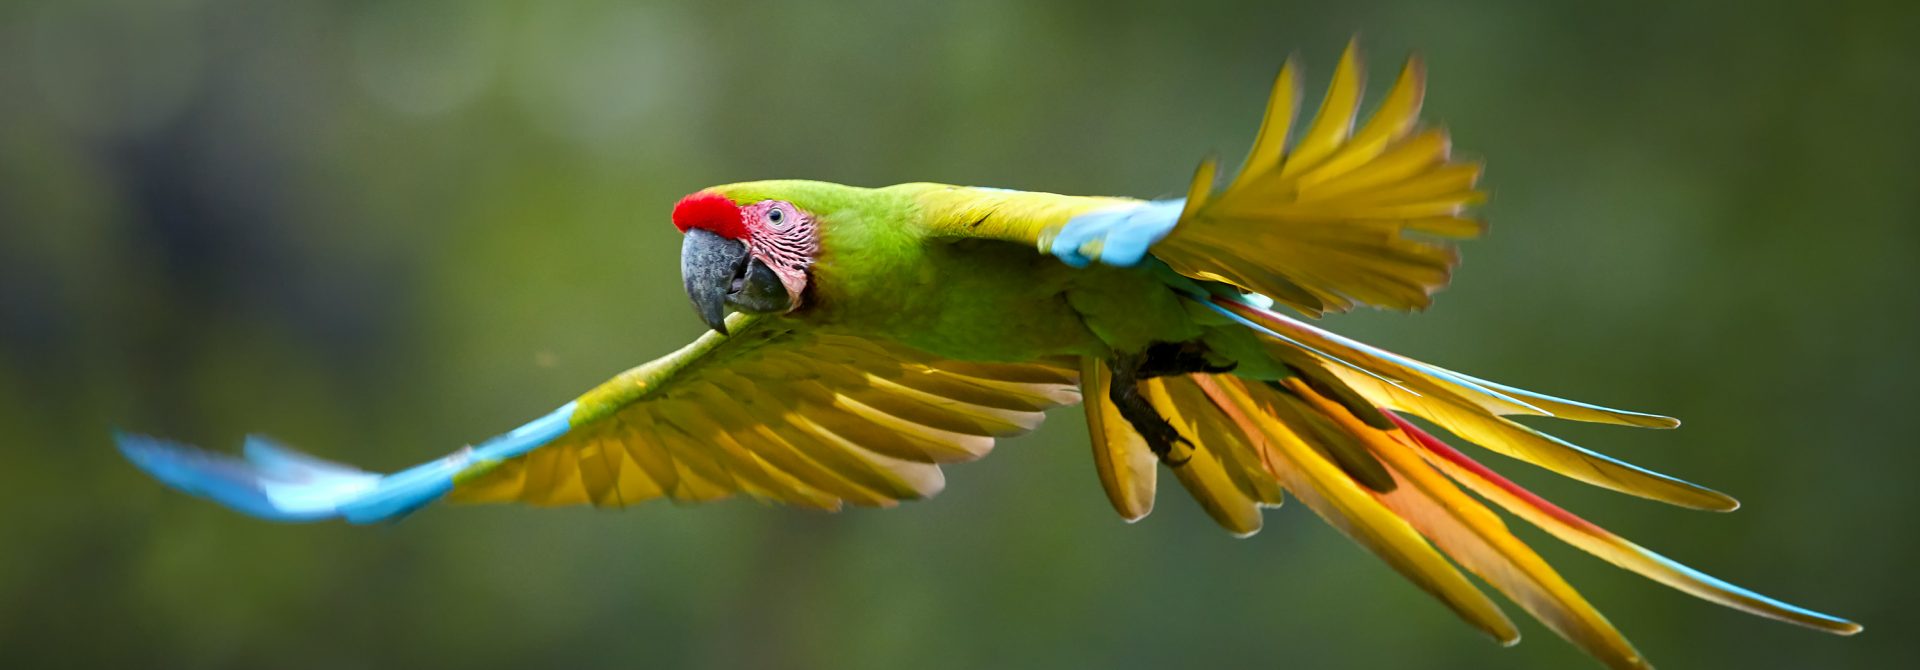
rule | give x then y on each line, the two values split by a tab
276	483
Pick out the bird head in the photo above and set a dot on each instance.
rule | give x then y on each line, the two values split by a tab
750	254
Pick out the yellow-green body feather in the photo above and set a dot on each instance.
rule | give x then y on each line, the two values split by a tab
950	270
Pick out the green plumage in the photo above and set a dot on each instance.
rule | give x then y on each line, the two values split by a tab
899	263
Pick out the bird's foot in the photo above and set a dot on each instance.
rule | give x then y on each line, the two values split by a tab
1168	359
1161	437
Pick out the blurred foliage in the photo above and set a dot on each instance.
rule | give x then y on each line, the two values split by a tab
380	230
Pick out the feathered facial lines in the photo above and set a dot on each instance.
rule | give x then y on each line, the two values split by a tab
786	239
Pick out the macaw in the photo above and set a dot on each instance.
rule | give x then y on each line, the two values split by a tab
863	337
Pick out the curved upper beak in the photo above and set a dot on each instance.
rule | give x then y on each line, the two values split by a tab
709	264
719	273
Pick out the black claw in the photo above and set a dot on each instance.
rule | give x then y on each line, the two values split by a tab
1167	457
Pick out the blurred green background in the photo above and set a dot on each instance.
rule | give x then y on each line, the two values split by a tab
382	230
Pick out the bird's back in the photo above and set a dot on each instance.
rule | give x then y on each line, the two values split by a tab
887	267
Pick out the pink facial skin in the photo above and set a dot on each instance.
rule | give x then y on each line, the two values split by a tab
786	239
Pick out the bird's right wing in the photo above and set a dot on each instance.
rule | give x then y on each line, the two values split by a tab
800	417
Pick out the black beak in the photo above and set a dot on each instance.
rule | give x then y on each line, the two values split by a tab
719	274
709	264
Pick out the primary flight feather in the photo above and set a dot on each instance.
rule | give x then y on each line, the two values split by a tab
862	337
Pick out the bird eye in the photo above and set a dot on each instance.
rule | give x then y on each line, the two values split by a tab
775	215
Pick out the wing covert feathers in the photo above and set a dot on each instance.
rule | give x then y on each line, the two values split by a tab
1323	225
808	419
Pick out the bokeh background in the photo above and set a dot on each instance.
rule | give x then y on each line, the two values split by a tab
382	230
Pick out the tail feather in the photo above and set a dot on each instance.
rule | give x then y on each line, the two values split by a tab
1340	447
1302	431
1600	542
1477	539
1351	508
1493	398
1473	410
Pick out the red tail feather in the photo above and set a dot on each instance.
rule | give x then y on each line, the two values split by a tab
1434	446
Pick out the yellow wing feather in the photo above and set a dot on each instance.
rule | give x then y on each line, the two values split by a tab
810	419
1126	467
1271	141
1209	471
1334	122
1211	429
1323	226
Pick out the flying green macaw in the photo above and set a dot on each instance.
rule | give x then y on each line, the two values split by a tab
878	333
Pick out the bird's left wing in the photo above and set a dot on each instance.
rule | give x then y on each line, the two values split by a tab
805	418
1322	221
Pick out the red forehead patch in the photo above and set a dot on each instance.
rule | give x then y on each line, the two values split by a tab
712	212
